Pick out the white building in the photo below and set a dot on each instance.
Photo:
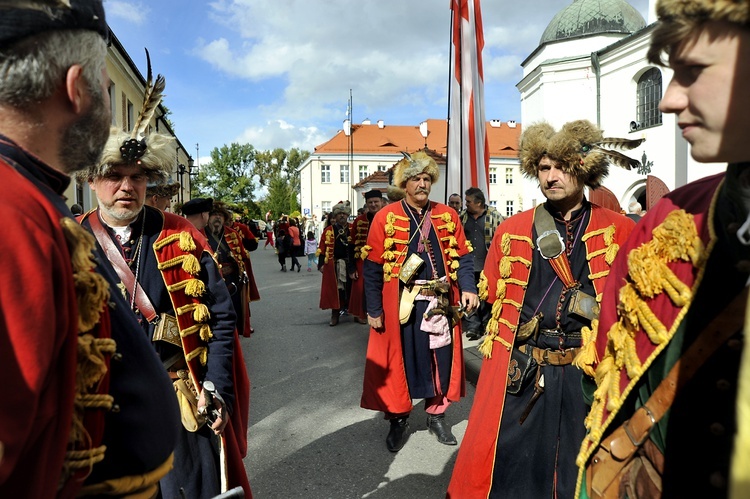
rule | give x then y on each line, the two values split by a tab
591	64
341	168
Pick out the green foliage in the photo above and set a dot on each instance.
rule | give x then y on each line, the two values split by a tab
228	176
238	170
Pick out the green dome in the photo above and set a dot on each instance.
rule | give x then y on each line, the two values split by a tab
588	17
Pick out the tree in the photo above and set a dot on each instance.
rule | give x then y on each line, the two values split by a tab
228	177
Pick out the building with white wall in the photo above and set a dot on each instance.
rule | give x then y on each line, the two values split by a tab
336	167
591	64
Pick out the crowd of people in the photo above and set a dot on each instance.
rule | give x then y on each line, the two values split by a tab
615	360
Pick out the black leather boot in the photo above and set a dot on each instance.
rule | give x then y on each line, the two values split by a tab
436	425
398	434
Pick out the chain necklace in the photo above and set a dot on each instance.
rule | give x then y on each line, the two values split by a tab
139	252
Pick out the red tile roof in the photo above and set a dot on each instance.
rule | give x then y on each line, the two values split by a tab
392	139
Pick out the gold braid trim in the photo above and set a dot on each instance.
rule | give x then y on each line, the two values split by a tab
203	329
450	227
202	351
193	287
515	304
96	401
134	486
92	290
469	246
486	347
675	239
587	356
189	263
445	217
82	459
365	251
599	275
186	241
200	311
317	252
506	264
508	237
483	286
452	242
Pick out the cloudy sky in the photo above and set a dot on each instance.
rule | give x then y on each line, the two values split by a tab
278	73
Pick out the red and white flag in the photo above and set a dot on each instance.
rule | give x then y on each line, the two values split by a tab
468	149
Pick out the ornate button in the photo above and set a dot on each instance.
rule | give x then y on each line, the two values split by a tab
718	480
723	385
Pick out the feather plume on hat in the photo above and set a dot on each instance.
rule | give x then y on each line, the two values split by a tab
153	152
579	147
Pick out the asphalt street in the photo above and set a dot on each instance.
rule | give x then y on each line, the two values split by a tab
308	437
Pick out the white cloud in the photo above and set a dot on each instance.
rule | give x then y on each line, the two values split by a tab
133	12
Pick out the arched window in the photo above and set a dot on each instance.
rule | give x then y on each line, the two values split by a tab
649	96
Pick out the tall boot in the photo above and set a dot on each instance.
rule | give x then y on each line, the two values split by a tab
334	317
283	267
398	434
436	425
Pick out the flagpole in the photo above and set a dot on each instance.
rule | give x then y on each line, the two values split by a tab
450	86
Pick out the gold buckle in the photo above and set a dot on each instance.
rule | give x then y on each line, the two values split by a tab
167	330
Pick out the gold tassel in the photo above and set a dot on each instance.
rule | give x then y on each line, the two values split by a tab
365	251
453	276
587	356
505	244
205	332
201	313
195	287
505	267
483	286
190	264
186	242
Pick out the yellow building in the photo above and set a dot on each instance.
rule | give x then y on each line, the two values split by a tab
126	98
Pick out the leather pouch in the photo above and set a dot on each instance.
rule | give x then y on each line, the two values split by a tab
187	397
520	370
167	330
410	268
529	329
583	305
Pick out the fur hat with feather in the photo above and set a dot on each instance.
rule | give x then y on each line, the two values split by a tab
412	165
579	148
734	11
153	152
342	207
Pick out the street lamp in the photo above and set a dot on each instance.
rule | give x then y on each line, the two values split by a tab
182	170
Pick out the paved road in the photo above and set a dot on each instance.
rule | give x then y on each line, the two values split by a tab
308	437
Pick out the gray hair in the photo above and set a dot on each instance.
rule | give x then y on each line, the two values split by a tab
32	69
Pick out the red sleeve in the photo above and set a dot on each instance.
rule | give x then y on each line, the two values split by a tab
38	330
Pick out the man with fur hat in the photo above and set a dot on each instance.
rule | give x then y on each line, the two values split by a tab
160	194
543	276
359	229
86	407
333	262
170	279
671	355
418	272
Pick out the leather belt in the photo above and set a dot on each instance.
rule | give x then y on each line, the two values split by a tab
545	356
